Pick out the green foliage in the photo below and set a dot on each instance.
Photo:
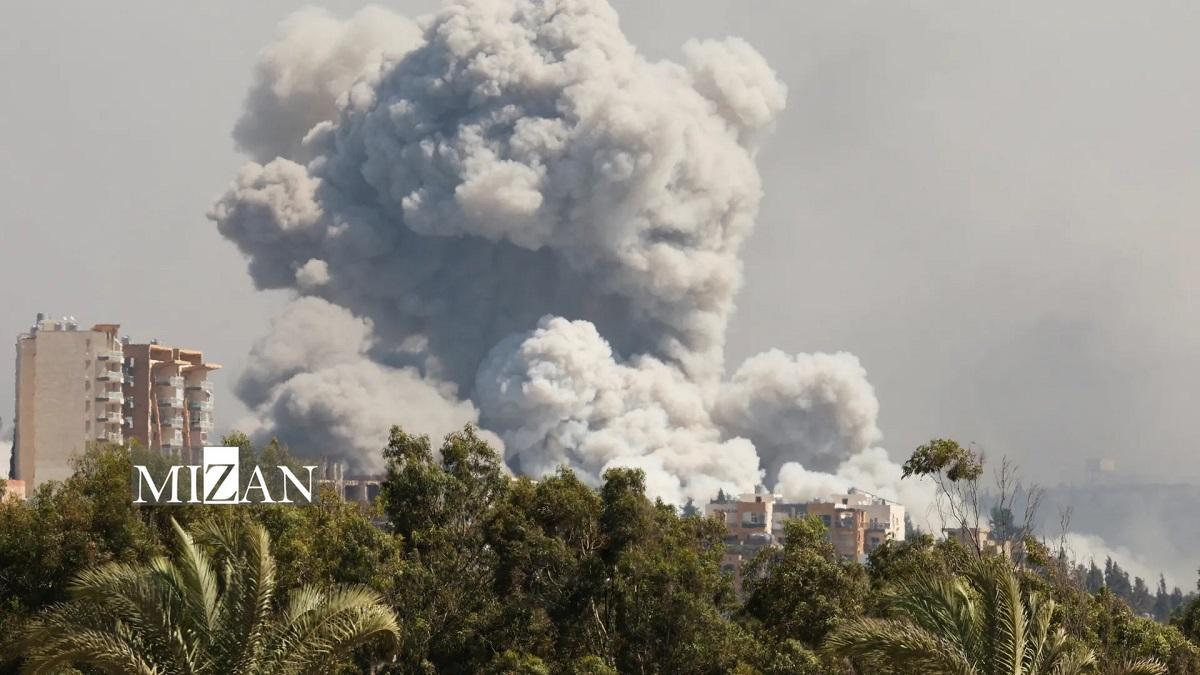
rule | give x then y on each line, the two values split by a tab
943	456
1187	620
980	622
507	571
210	608
488	573
802	591
1117	634
65	528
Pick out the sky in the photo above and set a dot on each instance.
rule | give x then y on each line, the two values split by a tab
988	204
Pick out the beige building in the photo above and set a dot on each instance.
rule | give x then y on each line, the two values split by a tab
979	539
884	519
168	397
68	395
856	523
78	386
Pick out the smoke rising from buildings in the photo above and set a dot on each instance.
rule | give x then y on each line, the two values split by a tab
517	219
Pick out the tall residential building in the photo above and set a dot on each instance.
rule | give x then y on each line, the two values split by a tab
75	387
168	397
68	395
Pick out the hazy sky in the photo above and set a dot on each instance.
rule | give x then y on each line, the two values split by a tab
992	205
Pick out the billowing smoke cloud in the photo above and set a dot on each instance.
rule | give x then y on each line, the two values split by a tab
313	386
519	214
774	398
300	77
559	396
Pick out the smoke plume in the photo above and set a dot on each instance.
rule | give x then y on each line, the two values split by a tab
515	217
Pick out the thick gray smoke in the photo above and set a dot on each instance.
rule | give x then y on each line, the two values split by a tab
517	216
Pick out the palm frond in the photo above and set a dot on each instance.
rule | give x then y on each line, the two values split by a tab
903	644
1141	667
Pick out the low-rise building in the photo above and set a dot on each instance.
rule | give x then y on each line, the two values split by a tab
980	539
856	523
362	488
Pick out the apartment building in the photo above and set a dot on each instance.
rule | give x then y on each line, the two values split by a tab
168	397
76	386
980	539
361	488
68	394
884	519
856	523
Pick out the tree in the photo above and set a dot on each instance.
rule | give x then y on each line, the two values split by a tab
210	608
979	623
1118	635
1094	580
957	473
1117	580
439	506
802	591
660	599
66	527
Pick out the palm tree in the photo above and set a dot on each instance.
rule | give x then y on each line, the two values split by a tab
209	609
980	624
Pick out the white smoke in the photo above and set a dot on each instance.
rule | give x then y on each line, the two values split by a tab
312	386
822	402
532	220
299	78
558	396
1087	548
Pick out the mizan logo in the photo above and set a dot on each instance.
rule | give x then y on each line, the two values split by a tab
217	480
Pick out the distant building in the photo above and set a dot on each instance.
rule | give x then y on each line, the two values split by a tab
979	538
884	519
856	523
362	488
78	386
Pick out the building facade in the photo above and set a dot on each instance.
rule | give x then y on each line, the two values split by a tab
168	397
79	386
856	523
68	394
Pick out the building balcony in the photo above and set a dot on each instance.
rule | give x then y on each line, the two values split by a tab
173	402
110	397
200	406
108	417
175	381
176	422
110	376
110	436
203	426
109	355
201	386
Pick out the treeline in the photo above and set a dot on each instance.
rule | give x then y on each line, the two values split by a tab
1162	604
484	573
